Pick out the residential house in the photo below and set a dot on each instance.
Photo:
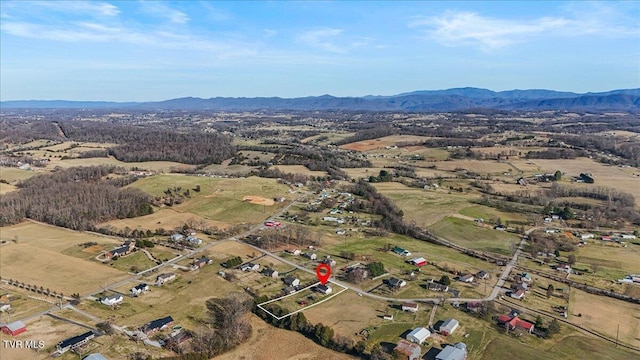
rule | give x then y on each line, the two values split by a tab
74	342
200	262
400	251
249	267
112	300
15	328
627	236
515	322
518	294
434	286
311	256
325	289
500	227
409	306
139	289
329	261
193	240
467	278
289	290
586	236
396	283
5	307
449	326
482	275
456	352
526	277
410	351
270	273
418	335
157	325
566	268
190	232
291	281
125	249
165	278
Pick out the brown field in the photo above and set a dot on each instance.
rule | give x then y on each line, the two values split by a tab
378	143
38	258
604	315
347	313
258	200
233	248
5	188
604	175
159	166
270	343
164	218
298	169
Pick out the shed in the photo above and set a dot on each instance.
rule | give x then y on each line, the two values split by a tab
409	350
409	306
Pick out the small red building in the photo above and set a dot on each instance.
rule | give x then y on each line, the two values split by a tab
15	328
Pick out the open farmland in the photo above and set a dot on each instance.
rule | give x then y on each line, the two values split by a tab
424	207
219	199
5	188
38	258
476	166
158	166
13	175
382	142
598	312
298	169
468	234
604	175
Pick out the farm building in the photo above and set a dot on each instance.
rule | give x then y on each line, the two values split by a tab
165	278
325	289
387	316
410	351
112	300
95	356
456	352
420	261
139	289
177	237
74	342
193	240
15	328
449	326
270	273
396	283
157	325
409	306
467	278
291	281
587	236
627	236
401	251
418	335
518	294
515	322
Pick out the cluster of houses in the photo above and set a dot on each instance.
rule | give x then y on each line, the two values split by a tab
187	236
410	348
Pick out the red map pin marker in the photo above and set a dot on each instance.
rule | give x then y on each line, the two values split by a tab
323	272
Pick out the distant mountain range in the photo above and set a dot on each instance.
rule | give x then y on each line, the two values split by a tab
424	100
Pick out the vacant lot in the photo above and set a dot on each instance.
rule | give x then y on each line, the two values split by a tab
5	188
382	142
476	166
166	218
611	262
424	207
604	315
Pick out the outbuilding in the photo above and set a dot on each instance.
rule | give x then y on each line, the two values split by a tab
419	335
449	326
15	328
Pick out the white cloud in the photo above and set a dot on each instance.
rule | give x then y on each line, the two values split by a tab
87	7
323	39
162	10
269	32
458	28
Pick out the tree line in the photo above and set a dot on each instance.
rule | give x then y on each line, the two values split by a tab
77	198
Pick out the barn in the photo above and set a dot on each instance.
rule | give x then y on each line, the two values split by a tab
15	328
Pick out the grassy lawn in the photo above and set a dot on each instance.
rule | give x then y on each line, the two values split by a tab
138	260
13	175
468	234
486	213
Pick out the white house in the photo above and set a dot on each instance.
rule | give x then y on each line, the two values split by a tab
112	300
5	307
250	267
164	278
587	236
177	237
270	273
627	236
194	240
408	306
139	289
449	326
418	335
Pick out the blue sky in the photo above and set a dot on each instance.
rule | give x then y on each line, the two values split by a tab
147	50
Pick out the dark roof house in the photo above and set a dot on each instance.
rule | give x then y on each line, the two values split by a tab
74	342
157	325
